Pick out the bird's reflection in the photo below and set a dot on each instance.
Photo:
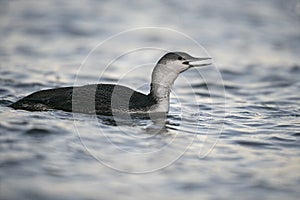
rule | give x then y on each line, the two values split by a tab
153	123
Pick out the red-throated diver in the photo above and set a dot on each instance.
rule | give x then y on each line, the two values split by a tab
105	99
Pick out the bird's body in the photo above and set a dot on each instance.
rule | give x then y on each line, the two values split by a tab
90	99
107	99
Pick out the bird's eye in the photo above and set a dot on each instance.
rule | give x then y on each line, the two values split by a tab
180	58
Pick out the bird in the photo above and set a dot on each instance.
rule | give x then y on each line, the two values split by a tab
108	99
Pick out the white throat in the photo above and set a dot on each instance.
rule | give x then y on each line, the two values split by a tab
163	77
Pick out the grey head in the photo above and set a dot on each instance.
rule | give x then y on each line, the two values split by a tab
165	73
181	61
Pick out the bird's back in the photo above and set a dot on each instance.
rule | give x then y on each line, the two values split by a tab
96	98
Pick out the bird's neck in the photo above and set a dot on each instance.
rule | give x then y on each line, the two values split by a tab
161	84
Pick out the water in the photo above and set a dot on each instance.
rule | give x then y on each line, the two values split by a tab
230	138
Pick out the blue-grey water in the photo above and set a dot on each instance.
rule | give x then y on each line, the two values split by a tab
233	130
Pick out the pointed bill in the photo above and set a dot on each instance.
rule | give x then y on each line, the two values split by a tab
199	62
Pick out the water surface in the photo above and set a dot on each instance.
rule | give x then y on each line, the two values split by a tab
232	138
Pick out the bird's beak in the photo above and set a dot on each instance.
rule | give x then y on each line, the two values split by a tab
197	62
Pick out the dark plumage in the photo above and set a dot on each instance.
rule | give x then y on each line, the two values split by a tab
95	98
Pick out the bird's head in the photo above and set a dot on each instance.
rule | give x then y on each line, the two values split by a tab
180	61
